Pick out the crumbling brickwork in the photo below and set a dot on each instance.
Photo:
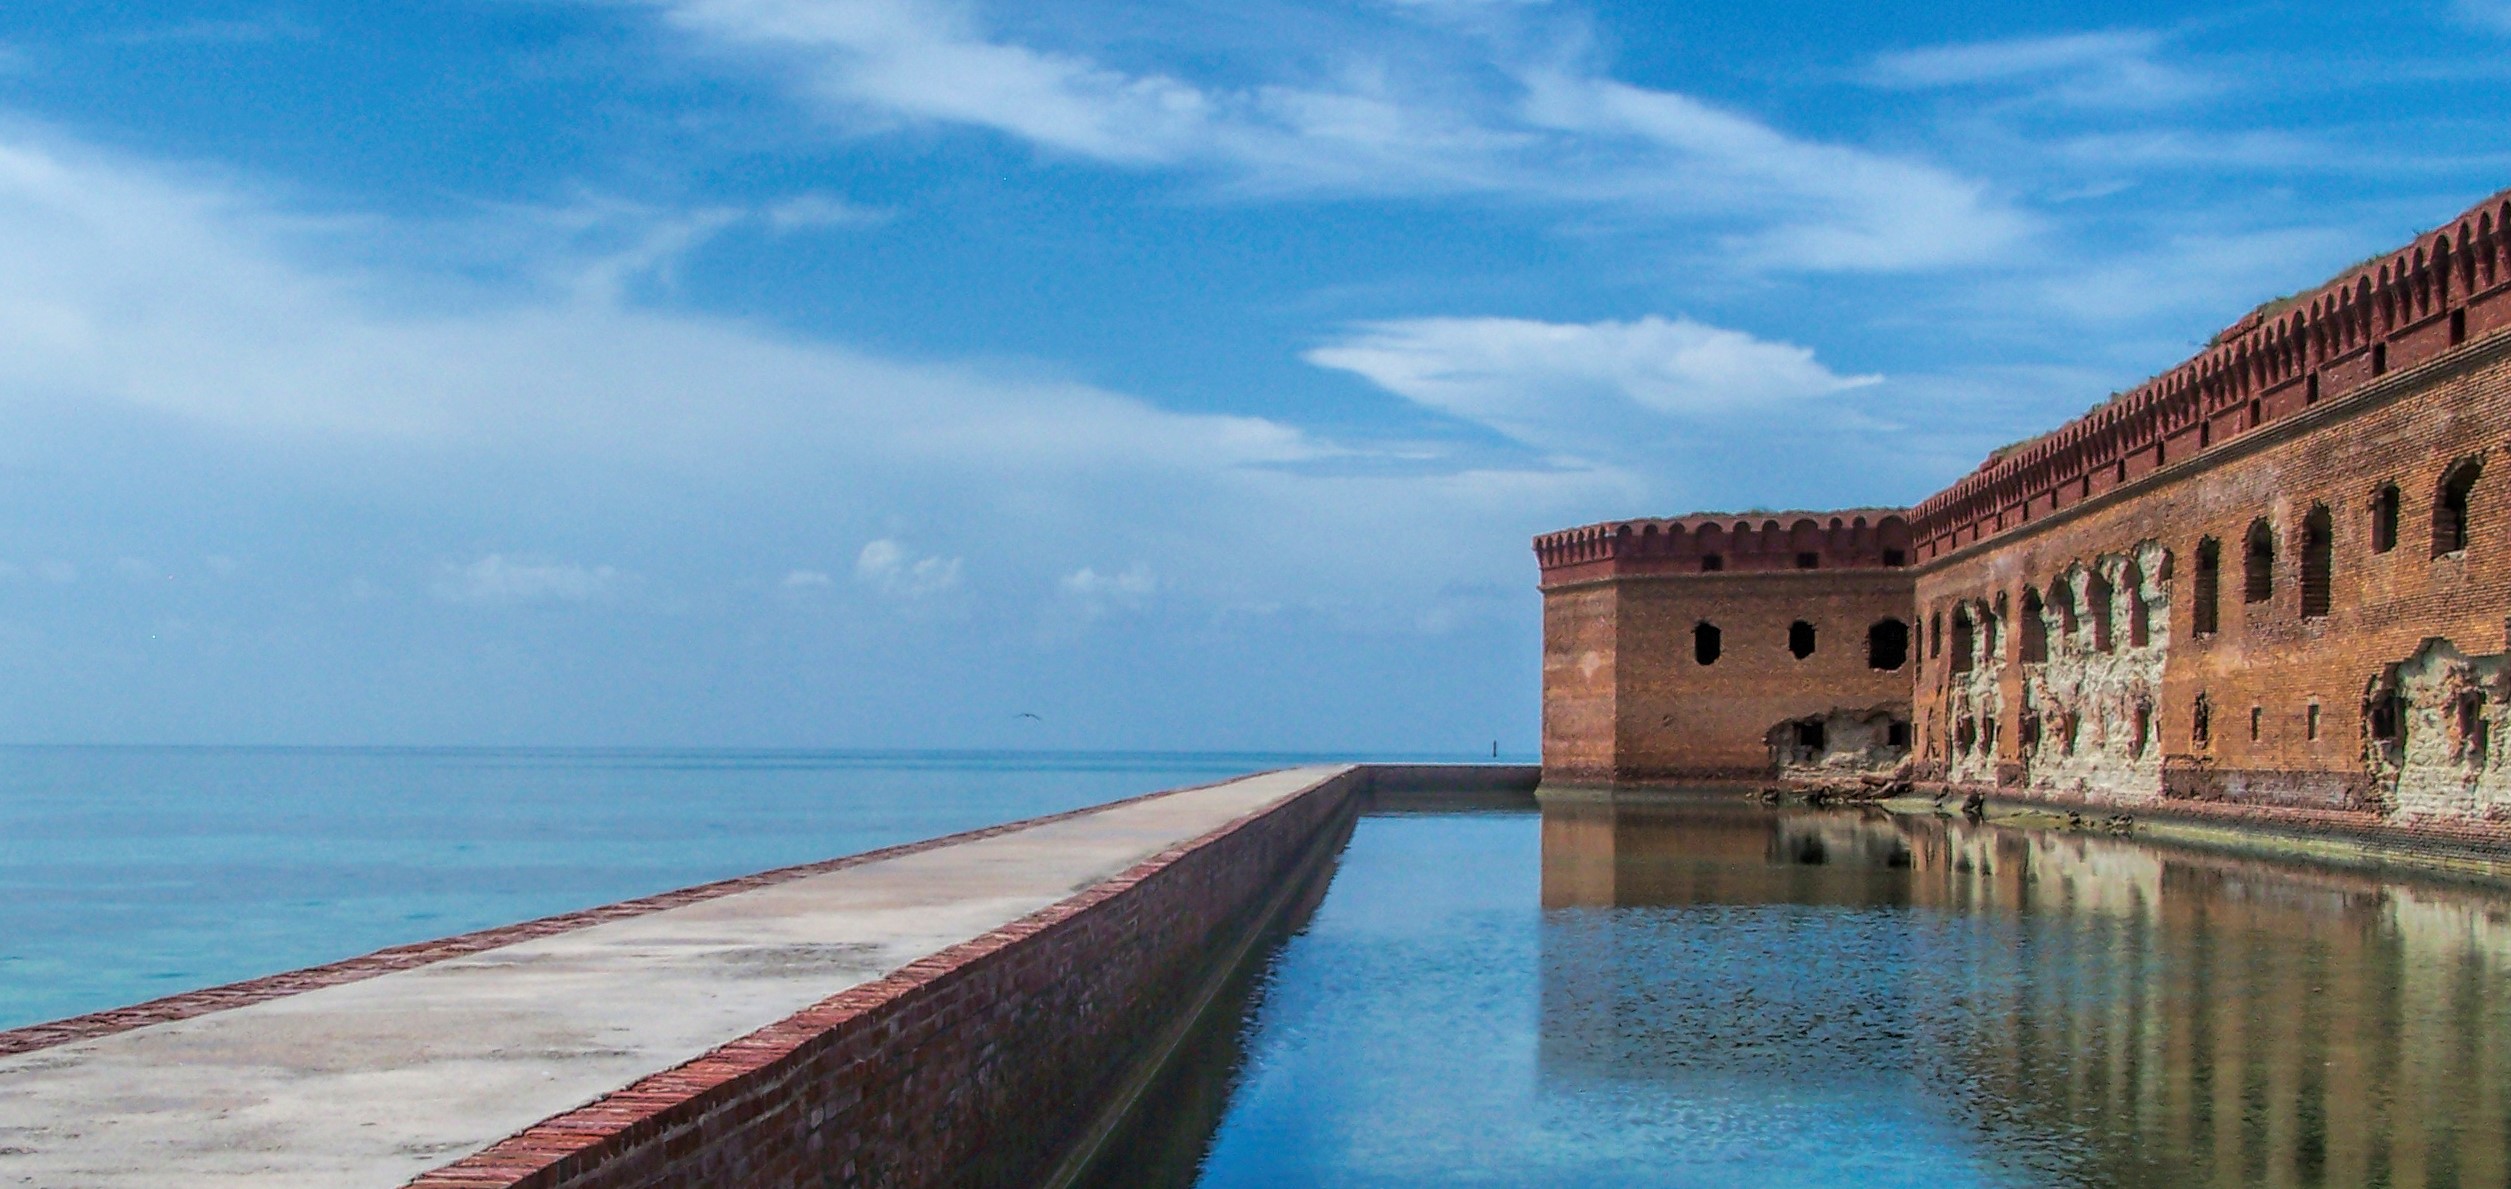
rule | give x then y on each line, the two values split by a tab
2276	577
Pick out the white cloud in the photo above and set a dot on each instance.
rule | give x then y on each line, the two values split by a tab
2115	68
2492	14
497	579
1563	386
1548	134
812	212
885	566
575	419
1097	594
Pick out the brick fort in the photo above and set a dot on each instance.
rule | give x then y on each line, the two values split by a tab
2273	583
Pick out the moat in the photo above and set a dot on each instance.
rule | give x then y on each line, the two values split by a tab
1702	991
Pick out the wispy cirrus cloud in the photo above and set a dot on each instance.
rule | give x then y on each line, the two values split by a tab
2121	68
2491	14
499	580
1548	131
1583	388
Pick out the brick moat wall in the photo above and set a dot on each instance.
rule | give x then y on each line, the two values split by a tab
2274	580
978	1066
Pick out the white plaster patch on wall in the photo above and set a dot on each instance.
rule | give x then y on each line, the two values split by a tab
1842	743
2437	745
1975	696
2094	651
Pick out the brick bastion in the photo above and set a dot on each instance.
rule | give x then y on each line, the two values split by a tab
2270	586
977	1010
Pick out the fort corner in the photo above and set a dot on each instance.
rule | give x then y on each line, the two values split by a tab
1726	647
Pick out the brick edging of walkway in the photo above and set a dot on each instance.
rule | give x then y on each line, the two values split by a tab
565	1146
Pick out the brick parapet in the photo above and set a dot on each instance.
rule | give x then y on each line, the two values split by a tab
2450	286
1851	538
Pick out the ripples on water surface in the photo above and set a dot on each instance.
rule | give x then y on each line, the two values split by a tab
1711	994
129	873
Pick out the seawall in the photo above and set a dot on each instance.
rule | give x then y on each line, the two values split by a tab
974	1010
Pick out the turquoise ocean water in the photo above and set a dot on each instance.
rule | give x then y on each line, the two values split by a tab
130	873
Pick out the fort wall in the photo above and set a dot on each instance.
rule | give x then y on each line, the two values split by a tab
1727	648
2274	579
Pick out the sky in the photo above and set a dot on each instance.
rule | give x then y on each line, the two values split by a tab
882	373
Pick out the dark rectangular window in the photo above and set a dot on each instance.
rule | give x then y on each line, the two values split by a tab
2380	359
2458	327
1894	557
1711	563
1807	561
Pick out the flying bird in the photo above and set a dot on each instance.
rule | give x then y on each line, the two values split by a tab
1026	714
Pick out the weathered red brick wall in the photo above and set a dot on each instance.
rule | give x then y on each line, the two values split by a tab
2291	691
1581	648
1627	696
978	1066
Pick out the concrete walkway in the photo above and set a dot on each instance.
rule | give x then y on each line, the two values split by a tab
372	1083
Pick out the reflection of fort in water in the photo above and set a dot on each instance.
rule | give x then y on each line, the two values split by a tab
2151	1015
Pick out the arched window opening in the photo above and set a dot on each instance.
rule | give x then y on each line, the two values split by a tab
2100	598
2207	583
2144	725
2201	727
1935	636
1800	639
2384	525
1887	644
2319	559
2258	563
2387	716
2450	509
2035	629
2062	601
2140	622
1706	643
1964	640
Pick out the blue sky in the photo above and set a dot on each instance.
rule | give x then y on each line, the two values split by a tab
868	372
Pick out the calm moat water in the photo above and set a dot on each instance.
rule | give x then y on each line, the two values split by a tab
1716	994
